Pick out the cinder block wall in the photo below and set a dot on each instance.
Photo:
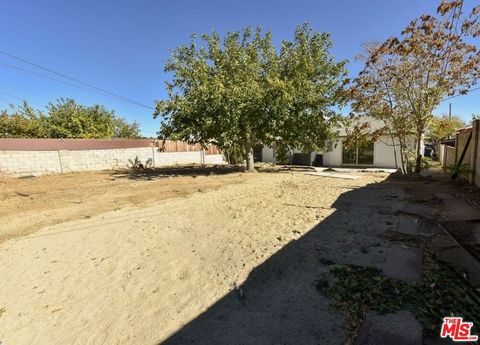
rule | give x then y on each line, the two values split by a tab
44	162
34	162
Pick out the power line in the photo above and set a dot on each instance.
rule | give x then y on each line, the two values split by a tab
103	91
7	102
48	77
7	94
20	98
61	81
3	100
469	91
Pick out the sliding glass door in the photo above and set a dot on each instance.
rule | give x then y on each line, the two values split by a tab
358	155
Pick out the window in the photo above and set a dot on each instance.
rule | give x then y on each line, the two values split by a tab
365	154
349	155
329	146
358	155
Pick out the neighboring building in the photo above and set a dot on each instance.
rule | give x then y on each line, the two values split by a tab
377	154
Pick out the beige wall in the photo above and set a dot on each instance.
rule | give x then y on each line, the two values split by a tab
29	162
474	160
42	162
460	145
441	154
471	153
450	156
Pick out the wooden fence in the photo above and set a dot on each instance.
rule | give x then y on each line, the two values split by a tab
465	152
181	146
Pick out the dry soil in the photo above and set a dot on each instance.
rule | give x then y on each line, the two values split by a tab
119	258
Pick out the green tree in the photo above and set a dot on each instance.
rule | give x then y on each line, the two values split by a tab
65	119
240	92
22	122
123	129
442	127
68	119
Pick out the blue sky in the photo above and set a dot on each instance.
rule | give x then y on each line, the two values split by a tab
122	45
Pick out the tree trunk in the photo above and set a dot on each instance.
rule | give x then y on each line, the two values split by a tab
418	162
249	160
402	155
394	151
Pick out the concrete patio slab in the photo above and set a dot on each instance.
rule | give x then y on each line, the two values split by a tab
475	233
457	209
420	210
334	175
399	328
372	170
404	263
447	249
408	225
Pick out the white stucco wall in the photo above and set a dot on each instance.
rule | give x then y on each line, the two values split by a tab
333	157
268	155
383	153
215	159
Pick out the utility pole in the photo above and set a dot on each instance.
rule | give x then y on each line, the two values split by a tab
449	115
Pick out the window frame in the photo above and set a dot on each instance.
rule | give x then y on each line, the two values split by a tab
356	155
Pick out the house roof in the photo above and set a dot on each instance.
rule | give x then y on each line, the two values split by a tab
374	125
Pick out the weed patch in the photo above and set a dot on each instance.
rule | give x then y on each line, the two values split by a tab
355	290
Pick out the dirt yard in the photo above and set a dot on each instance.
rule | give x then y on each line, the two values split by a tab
203	257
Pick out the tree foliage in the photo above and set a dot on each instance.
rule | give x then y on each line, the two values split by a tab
21	123
442	127
65	119
240	91
405	78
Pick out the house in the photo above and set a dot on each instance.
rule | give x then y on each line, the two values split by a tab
379	153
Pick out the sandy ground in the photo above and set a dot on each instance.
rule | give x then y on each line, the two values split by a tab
103	258
52	199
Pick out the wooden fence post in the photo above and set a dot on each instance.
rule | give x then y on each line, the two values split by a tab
474	152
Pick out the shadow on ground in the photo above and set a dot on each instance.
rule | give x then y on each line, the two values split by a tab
168	172
279	302
195	170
